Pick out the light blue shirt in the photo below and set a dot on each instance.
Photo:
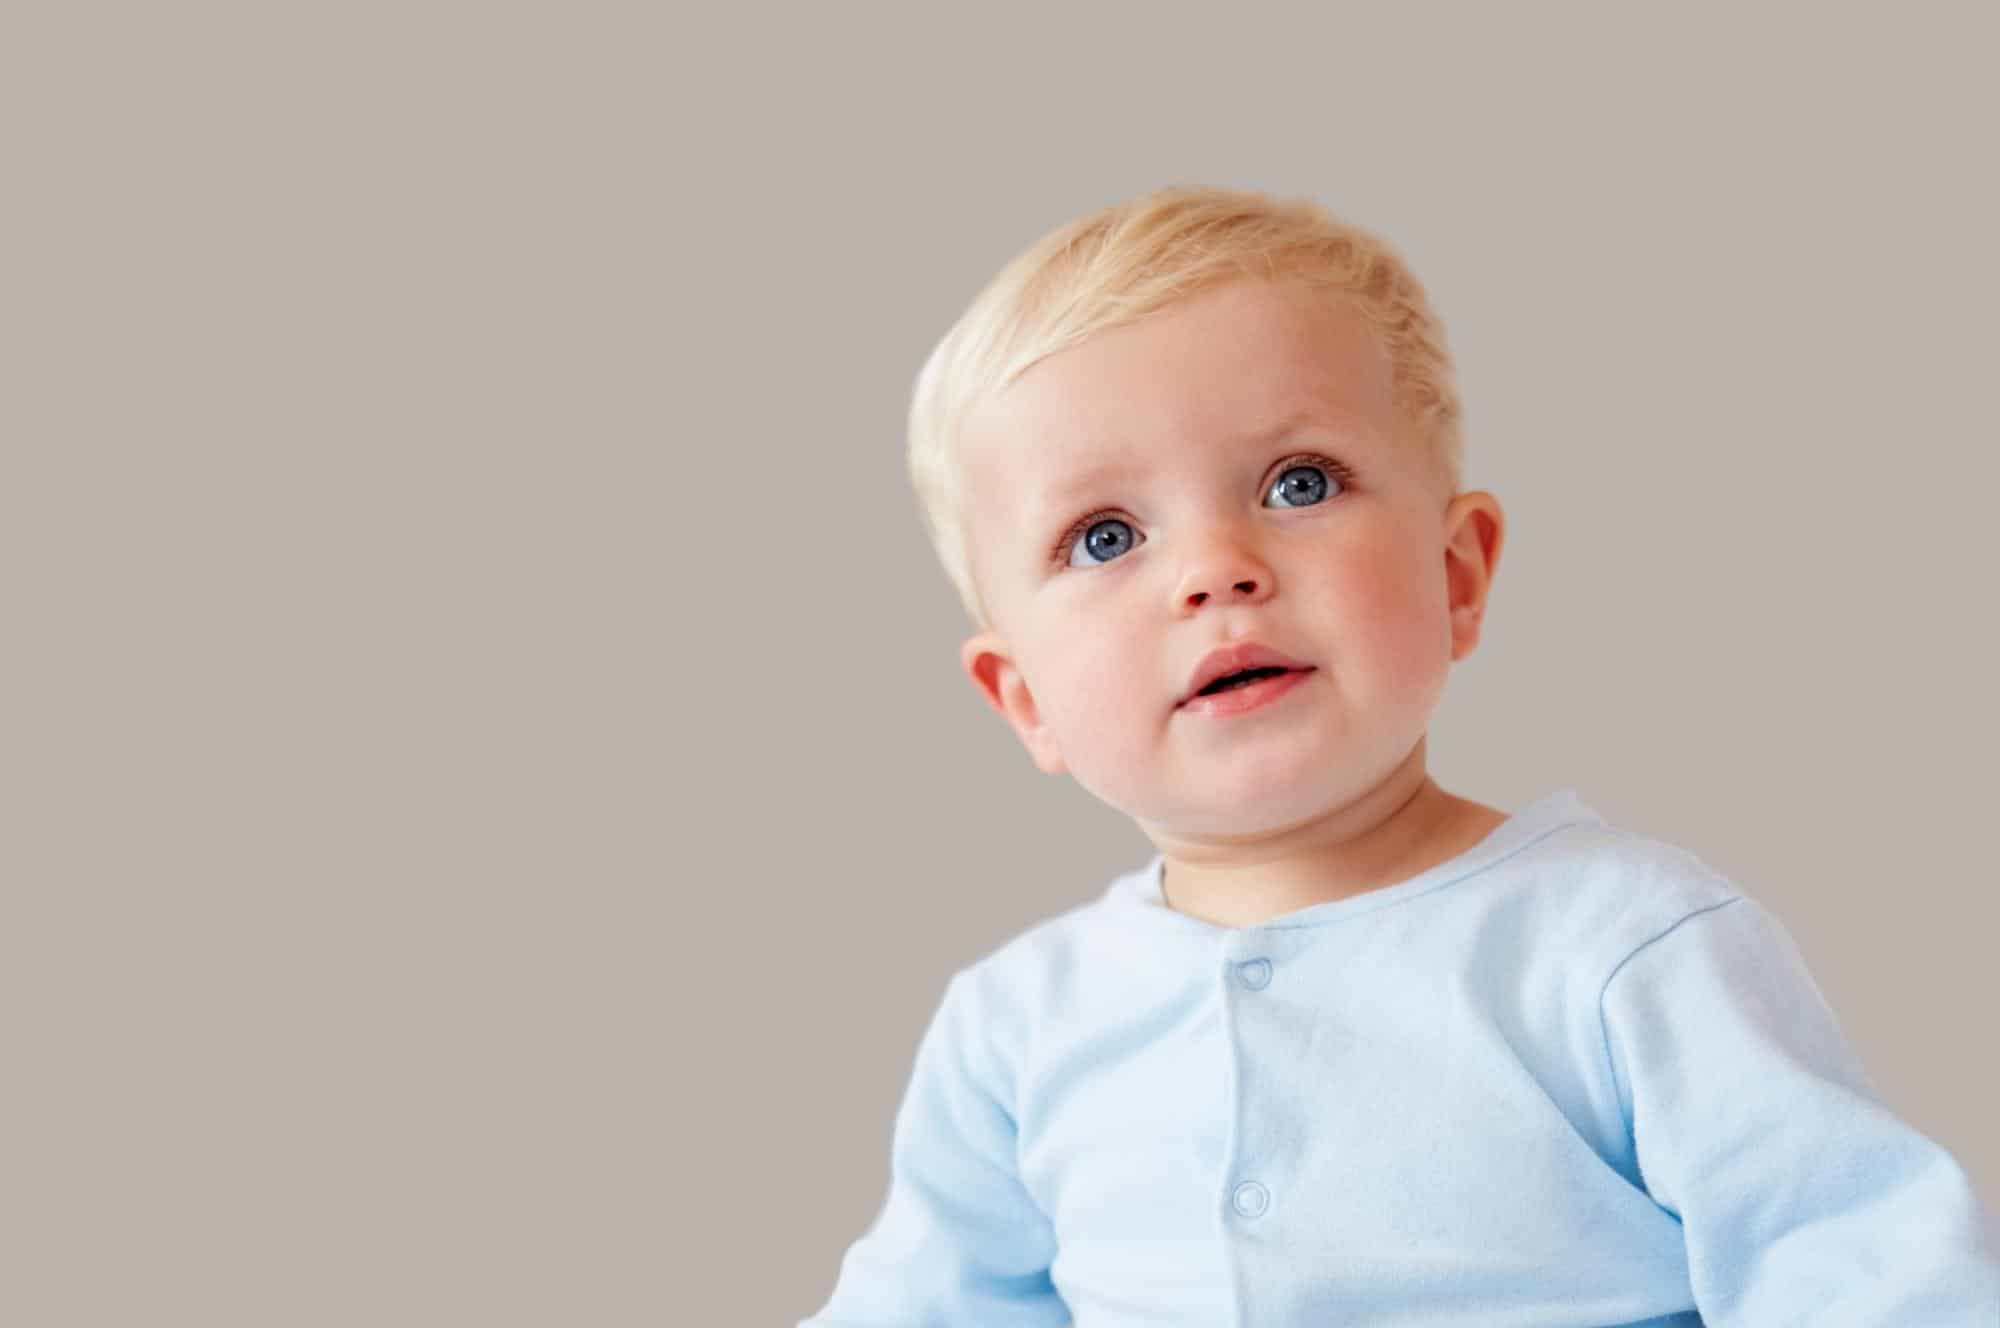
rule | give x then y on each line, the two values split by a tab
1571	1077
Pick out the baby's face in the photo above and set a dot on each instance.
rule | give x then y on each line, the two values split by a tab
1228	470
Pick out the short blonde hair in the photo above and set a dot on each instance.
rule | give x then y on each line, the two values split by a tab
1115	266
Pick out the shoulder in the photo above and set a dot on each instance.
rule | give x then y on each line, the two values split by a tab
1603	892
1653	882
1026	967
1017	986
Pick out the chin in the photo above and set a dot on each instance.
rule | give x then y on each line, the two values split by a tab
1244	814
1281	789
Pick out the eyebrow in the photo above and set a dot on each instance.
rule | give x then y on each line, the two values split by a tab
1075	486
1057	497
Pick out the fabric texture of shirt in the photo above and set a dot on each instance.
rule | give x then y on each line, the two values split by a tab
1572	1076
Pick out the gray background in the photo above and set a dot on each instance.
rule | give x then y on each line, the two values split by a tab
490	803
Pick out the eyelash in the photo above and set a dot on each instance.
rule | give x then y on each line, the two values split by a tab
1059	555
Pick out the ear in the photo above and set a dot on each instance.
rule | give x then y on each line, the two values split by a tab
1475	528
988	662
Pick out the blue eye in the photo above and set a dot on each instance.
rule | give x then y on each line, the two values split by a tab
1301	486
1309	479
1102	540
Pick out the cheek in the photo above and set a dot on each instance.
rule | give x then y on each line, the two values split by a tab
1395	610
1098	686
1104	698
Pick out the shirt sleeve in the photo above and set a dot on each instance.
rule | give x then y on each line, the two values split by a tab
959	1240
1802	1198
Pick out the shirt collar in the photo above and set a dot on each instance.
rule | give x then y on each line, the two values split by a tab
1140	888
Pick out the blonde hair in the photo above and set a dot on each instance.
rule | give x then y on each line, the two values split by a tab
1115	266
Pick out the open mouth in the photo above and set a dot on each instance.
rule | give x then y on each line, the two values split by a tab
1231	681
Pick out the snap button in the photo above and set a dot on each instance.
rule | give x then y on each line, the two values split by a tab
1251	1199
1255	973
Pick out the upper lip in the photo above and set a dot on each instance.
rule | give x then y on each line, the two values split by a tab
1235	658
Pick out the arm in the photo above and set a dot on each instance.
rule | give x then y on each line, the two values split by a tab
958	1239
1802	1198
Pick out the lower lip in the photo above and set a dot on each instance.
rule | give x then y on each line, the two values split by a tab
1239	699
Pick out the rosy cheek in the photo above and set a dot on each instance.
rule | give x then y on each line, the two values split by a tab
1389	626
1101	688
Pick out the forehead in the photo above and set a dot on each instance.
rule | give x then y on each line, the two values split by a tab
1205	380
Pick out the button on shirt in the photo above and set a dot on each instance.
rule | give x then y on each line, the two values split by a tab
1571	1077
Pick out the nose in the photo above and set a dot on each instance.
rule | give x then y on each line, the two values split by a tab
1228	567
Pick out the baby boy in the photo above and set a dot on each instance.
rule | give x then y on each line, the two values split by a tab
1349	1049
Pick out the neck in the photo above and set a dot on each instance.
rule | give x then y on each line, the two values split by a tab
1401	827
